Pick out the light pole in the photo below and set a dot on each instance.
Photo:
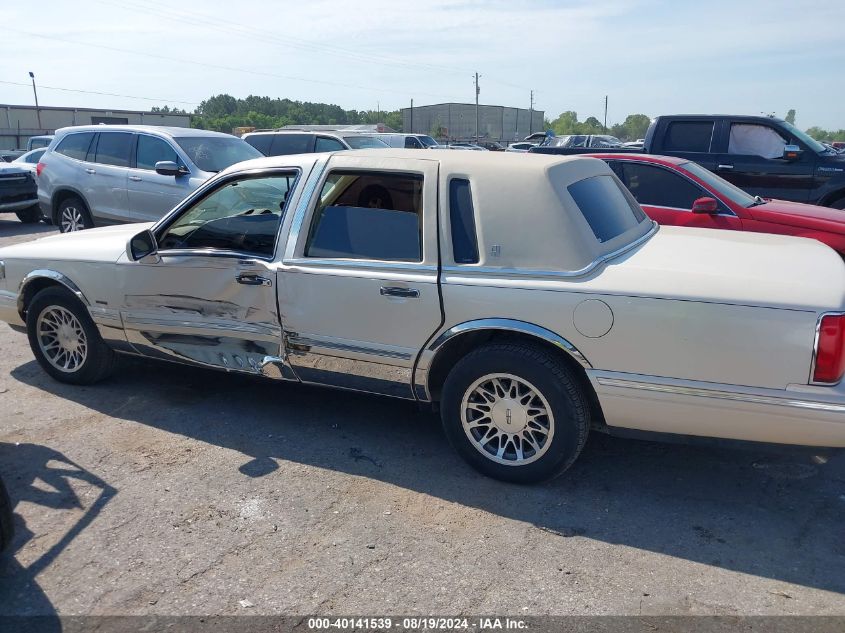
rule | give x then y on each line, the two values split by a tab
35	92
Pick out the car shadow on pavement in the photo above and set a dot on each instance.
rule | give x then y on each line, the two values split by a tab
13	228
767	515
42	476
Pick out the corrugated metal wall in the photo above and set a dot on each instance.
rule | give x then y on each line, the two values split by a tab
18	123
495	123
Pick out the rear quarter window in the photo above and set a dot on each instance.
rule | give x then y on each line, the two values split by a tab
605	206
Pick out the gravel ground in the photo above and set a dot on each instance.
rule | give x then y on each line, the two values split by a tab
169	490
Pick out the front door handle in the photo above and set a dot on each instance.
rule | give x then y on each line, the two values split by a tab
395	291
724	166
90	171
135	178
253	280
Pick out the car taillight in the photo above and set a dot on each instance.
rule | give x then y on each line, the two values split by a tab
39	168
830	349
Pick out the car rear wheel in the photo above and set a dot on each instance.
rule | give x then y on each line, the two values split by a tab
72	215
65	340
515	412
30	215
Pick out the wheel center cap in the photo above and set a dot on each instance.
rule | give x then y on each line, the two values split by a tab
68	338
509	416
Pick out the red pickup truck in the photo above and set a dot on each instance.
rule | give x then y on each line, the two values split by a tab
679	192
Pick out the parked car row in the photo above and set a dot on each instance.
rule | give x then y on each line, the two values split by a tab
529	298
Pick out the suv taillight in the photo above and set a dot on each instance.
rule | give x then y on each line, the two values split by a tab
830	349
39	168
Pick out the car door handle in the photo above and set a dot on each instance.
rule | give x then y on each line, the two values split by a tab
135	178
724	166
395	291
90	171
253	280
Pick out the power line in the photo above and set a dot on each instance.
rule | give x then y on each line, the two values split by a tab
250	71
105	94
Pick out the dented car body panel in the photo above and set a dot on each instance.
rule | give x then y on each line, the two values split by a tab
685	331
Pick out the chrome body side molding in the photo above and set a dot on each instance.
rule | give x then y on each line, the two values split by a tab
428	355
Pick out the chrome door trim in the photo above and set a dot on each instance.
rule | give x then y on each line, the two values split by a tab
717	394
359	264
302	206
472	270
303	344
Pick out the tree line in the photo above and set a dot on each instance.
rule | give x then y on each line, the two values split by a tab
224	113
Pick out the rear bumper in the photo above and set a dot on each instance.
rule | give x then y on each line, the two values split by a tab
799	415
18	205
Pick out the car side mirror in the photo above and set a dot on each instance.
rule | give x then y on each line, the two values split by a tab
169	168
141	245
705	205
792	152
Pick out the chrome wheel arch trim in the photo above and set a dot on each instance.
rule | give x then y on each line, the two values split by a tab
429	354
54	276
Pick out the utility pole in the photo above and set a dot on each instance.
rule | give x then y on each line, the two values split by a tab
605	114
411	130
531	115
477	90
35	92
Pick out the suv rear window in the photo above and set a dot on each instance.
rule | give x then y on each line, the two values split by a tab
113	149
606	207
689	136
284	144
75	145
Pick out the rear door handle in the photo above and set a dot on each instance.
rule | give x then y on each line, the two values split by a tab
395	291
135	178
90	171
724	166
253	280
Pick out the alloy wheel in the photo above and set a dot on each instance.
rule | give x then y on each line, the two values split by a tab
61	338
71	220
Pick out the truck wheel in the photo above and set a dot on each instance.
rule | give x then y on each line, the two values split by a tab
30	215
515	412
65	340
7	525
72	215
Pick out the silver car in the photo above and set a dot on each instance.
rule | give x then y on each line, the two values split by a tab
97	175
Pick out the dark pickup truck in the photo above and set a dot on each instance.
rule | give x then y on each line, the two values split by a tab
765	156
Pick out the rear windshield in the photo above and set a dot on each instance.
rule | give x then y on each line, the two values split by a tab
216	153
609	211
364	142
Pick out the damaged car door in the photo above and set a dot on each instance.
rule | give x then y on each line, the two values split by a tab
207	294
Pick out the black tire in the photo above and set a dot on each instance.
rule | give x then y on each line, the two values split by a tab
99	358
7	523
30	215
73	215
548	375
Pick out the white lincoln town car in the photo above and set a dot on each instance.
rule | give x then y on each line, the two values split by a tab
528	297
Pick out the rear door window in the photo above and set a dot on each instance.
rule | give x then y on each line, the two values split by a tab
113	148
368	215
605	206
656	186
75	145
689	136
291	144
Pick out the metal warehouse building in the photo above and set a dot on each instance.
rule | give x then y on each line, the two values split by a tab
19	122
456	121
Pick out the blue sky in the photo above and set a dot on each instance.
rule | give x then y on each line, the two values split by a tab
648	56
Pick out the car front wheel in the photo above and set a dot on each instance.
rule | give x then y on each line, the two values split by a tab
65	340
515	412
73	216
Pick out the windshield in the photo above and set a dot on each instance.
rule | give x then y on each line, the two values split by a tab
809	141
427	140
365	142
731	192
216	153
